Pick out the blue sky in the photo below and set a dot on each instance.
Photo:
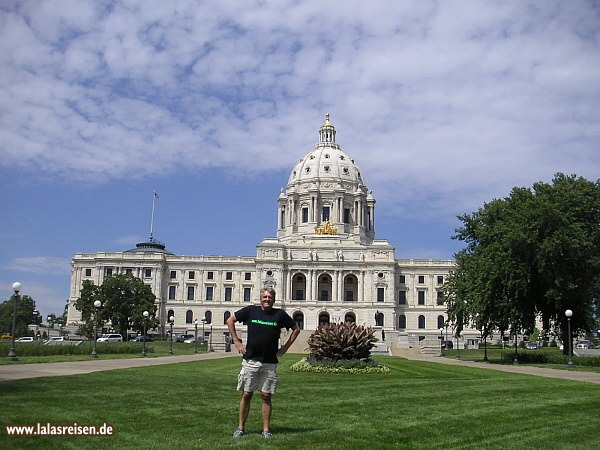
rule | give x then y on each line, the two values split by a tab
444	105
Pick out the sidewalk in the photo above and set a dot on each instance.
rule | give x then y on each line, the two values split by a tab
589	377
22	371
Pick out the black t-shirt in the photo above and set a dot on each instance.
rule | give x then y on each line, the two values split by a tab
264	328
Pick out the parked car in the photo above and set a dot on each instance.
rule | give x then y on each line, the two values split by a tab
584	345
142	339
532	346
183	337
56	339
110	338
447	345
191	340
25	339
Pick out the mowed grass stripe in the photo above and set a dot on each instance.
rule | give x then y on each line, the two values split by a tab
417	405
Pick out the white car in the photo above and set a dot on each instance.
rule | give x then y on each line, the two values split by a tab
25	339
110	338
584	345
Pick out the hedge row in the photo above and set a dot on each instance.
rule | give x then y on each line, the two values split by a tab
551	358
37	349
349	367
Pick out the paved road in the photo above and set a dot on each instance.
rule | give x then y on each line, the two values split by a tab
22	371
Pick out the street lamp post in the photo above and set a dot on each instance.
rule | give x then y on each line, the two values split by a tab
569	314
203	335
195	335
12	353
97	304
210	349
516	359
441	342
485	357
145	314
171	320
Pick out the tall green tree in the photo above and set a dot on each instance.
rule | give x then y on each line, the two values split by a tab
532	254
26	315
124	298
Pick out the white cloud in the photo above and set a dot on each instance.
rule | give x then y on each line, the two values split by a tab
49	265
47	300
448	104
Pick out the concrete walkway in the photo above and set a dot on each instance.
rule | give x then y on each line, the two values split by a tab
589	377
22	371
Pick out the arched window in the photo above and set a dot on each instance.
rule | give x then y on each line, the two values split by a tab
169	315
298	287
350	288
208	317
421	322
402	321
189	316
350	317
299	319
323	319
441	322
324	292
226	316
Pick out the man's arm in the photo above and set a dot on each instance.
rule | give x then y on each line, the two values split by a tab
233	332
290	341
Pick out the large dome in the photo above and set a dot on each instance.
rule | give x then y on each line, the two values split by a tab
327	162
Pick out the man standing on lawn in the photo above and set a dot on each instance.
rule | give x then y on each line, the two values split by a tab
259	366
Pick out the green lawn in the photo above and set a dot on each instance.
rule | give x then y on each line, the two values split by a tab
418	405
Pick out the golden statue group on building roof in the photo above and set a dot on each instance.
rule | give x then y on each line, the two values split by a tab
326	228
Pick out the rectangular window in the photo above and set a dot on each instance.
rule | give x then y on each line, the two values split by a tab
229	275
246	294
129	271
304	215
88	272
192	275
209	293
209	275
440	279
147	273
346	215
421	279
228	291
440	297
349	296
402	279
108	271
248	276
380	294
402	297
172	292
190	293
325	213
173	274
421	297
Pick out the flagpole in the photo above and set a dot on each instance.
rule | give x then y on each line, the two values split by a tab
154	197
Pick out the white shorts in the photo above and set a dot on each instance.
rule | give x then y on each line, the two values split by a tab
258	376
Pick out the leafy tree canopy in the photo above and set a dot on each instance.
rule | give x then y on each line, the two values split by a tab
532	254
124	298
26	315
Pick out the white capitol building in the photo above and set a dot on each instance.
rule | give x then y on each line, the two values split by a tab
325	264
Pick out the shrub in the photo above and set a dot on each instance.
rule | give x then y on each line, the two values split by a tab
538	357
341	341
340	366
37	349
